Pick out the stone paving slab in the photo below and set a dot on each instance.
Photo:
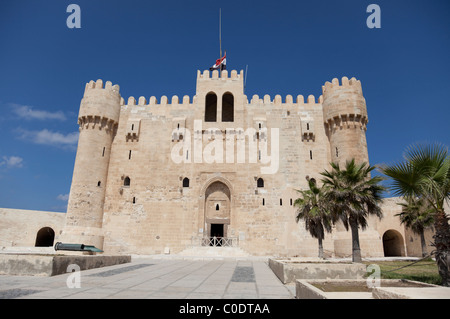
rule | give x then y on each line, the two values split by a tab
147	278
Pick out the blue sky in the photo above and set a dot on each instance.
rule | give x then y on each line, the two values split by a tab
156	47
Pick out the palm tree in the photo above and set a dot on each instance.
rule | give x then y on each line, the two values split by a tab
425	173
311	207
417	216
354	195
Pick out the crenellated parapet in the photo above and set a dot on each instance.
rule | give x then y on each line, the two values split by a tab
234	75
353	83
100	106
153	101
344	105
114	89
289	100
219	83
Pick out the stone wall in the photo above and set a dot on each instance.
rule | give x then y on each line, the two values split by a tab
19	228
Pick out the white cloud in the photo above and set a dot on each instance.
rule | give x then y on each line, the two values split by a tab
27	112
11	161
62	197
46	137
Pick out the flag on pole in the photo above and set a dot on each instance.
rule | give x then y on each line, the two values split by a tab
220	63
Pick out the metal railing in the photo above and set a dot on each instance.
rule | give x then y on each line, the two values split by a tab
215	241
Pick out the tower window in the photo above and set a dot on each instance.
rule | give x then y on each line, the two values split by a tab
129	155
260	182
211	107
103	153
132	127
307	126
186	182
281	202
264	202
291	201
99	183
228	107
337	152
134	200
217	206
126	181
310	154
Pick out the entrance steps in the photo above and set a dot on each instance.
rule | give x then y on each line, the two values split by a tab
211	251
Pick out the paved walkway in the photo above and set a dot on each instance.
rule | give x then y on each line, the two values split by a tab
151	278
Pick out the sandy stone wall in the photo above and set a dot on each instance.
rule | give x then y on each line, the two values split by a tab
155	211
19	228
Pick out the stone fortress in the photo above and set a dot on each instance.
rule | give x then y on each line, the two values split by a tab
154	177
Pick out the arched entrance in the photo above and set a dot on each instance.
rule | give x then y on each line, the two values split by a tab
393	244
45	237
217	210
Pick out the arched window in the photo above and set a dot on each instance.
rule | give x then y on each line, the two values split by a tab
185	182
260	182
126	181
227	107
211	107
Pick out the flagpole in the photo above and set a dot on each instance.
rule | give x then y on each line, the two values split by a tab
220	32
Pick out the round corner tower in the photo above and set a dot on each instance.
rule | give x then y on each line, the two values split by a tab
345	119
98	120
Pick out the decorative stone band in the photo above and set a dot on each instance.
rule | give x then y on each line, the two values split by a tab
97	122
347	121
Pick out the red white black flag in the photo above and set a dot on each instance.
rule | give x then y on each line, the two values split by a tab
220	63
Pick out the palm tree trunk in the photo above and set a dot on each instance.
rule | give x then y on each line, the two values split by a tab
442	243
320	248
356	250
424	244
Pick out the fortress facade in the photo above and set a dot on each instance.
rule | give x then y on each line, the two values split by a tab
219	168
153	176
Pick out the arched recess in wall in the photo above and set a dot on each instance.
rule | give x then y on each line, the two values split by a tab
211	107
228	107
260	182
393	244
45	237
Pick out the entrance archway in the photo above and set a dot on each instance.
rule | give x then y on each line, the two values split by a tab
217	209
393	244
45	237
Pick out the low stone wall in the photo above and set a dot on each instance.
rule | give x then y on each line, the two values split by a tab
51	265
290	270
358	289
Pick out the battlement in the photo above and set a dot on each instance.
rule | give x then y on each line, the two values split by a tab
142	101
234	75
352	84
98	85
277	101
